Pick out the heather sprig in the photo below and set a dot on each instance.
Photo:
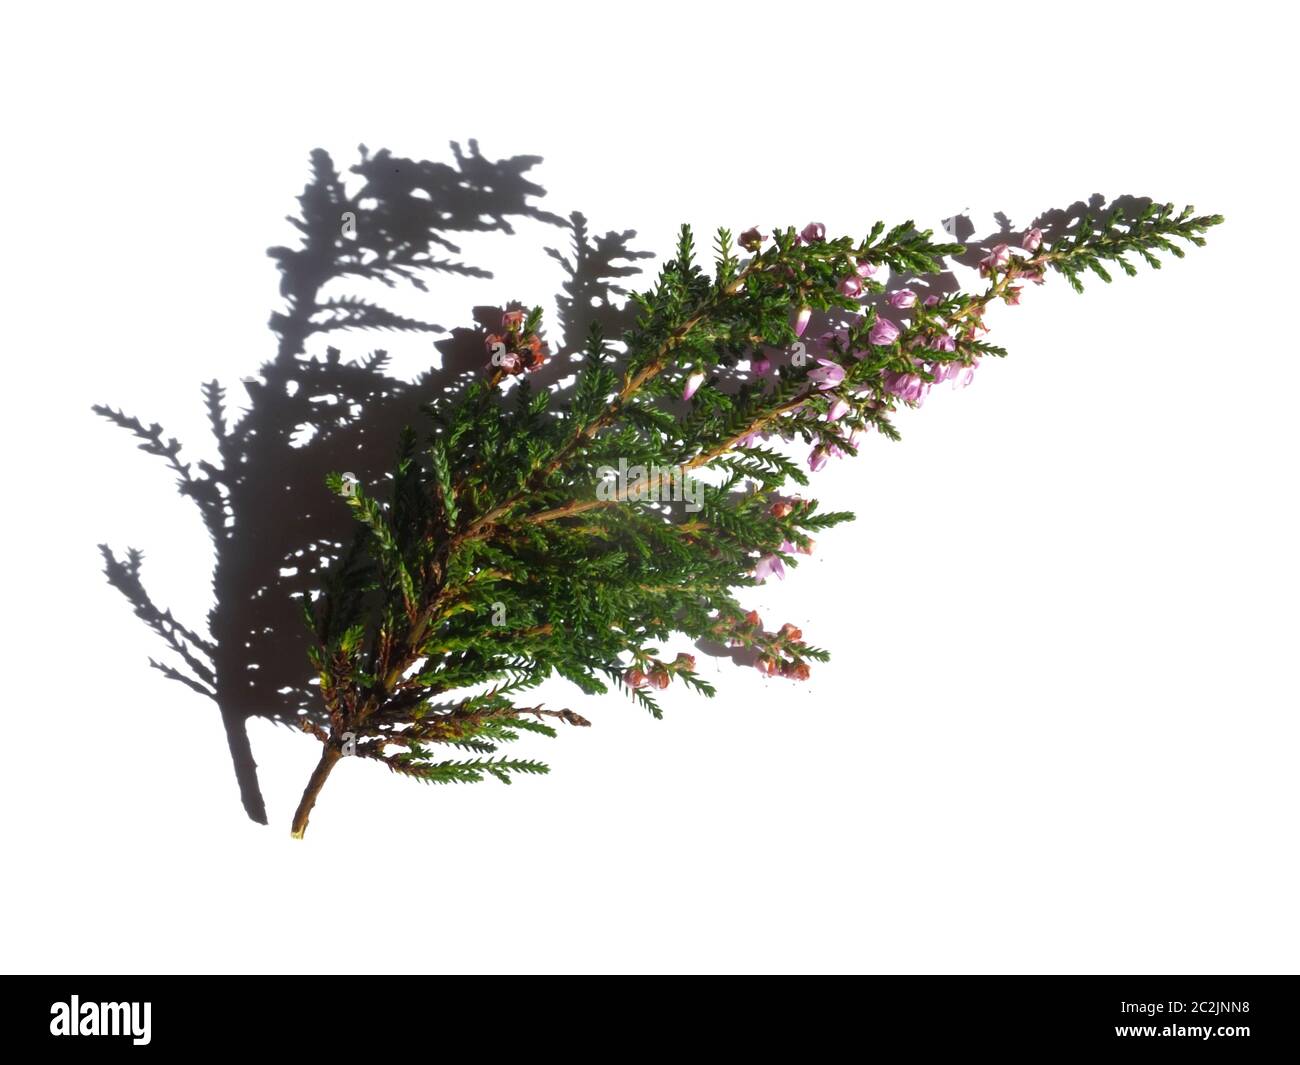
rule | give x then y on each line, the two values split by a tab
497	554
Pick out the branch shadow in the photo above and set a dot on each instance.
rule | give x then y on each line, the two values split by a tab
274	527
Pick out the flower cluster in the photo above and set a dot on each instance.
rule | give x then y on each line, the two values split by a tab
777	654
1001	261
517	348
1000	257
937	343
771	564
652	673
780	650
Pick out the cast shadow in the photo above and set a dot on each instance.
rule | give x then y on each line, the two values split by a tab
274	527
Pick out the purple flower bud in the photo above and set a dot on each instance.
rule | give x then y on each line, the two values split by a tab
801	320
761	365
829	374
997	259
768	566
838	409
692	384
866	268
1033	240
902	299
812	232
751	239
817	459
909	387
883	333
851	286
932	301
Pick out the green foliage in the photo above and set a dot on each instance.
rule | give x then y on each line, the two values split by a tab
1113	237
417	764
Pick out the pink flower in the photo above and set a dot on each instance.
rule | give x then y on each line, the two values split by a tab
817	458
997	259
902	299
866	268
883	333
781	508
790	632
768	566
851	286
510	362
909	387
829	374
685	661
932	301
634	678
766	665
692	384
812	232
966	377
751	239
796	670
801	320
959	373
660	678
1033	240
512	319
1012	295
943	343
838	409
761	365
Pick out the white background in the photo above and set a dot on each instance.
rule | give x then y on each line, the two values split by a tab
1059	730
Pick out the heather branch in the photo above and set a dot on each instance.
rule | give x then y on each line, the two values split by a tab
490	531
